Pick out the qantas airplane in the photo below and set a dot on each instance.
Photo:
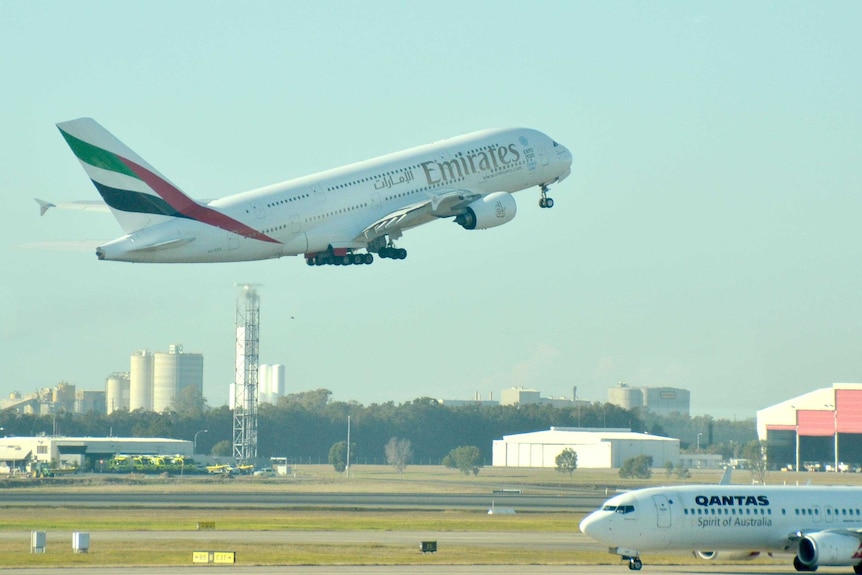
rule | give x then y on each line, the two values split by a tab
337	217
821	525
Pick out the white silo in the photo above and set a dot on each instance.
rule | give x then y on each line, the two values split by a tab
277	385
264	386
117	392
141	381
165	370
172	373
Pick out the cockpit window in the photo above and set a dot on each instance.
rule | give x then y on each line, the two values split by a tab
623	509
555	144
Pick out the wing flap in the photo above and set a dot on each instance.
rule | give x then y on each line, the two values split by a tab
447	204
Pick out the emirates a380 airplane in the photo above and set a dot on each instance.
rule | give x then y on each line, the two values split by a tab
340	216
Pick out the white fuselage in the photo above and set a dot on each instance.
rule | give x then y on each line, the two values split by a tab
332	208
721	517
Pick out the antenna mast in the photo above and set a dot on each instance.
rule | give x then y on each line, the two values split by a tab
245	382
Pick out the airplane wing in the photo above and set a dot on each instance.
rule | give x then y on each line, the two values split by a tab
447	204
64	245
86	205
83	205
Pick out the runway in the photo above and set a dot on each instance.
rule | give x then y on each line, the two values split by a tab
274	500
441	570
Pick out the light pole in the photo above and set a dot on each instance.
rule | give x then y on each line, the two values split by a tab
347	466
698	441
195	449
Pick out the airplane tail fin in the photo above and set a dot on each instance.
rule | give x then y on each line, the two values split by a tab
138	195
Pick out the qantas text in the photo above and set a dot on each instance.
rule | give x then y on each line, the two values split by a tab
741	500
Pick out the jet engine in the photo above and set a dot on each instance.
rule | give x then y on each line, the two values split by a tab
727	555
829	549
488	212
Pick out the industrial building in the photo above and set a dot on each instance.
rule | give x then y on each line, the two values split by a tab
157	379
596	448
19	454
519	396
62	397
89	401
658	400
524	396
818	430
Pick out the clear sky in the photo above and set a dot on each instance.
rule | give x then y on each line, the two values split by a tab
708	237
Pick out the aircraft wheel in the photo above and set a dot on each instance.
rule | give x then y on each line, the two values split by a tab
635	564
549	203
543	203
402	254
369	259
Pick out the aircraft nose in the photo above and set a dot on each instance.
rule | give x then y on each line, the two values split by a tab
588	525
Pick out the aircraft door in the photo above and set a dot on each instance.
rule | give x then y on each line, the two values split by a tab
232	241
375	201
318	194
830	513
295	224
258	210
662	508
543	154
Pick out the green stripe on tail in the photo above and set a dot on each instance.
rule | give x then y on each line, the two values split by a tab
97	157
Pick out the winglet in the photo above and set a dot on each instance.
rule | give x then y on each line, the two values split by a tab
44	206
725	479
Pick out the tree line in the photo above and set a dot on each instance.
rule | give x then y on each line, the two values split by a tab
304	426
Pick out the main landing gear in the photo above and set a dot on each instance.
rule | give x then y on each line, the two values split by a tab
545	201
326	259
346	257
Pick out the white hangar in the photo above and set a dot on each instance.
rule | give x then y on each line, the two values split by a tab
596	448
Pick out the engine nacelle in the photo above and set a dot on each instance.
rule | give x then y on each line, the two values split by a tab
727	555
829	549
488	212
